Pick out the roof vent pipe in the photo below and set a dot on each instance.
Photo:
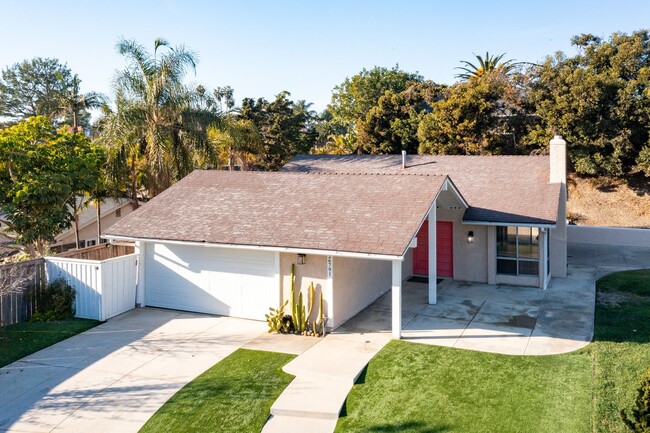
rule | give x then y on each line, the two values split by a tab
403	159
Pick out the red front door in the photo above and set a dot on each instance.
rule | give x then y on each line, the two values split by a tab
444	250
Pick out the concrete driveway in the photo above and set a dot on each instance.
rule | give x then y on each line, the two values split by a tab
114	377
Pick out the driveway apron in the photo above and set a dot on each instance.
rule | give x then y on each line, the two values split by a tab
114	377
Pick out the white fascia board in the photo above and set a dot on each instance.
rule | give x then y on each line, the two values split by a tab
262	248
501	223
450	183
414	240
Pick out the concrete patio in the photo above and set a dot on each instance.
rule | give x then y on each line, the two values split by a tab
506	319
501	319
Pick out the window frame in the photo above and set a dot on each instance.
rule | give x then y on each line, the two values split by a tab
518	258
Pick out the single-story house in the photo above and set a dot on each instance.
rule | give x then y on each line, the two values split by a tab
356	225
111	209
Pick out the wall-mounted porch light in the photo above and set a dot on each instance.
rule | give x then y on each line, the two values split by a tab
301	259
470	237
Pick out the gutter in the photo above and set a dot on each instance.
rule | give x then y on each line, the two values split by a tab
260	248
511	223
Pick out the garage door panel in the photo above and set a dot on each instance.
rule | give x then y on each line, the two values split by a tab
240	283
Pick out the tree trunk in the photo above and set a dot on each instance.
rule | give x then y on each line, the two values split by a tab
99	221
134	185
76	228
231	160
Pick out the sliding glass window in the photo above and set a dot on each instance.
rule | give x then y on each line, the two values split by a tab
518	250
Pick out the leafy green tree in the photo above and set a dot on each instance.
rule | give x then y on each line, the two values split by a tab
161	118
352	99
42	173
484	66
33	88
476	117
392	125
599	101
284	130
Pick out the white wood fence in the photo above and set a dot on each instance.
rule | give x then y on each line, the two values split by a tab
104	288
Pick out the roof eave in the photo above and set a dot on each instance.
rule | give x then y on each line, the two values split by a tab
510	223
351	254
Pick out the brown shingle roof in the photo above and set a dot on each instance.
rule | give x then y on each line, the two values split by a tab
373	214
507	189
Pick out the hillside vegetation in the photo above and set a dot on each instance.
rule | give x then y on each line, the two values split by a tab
608	202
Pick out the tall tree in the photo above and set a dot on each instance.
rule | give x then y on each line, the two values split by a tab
484	66
476	117
599	101
236	141
392	125
284	130
34	88
73	103
352	99
168	119
42	172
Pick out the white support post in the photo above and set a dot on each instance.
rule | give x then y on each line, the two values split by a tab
396	294
140	250
433	272
329	293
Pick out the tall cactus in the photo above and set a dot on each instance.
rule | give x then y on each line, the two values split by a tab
293	294
310	300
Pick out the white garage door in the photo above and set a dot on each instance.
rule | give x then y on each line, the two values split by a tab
229	282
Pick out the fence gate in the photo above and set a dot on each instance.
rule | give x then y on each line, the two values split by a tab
19	285
104	288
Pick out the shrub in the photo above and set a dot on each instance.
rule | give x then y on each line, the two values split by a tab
639	422
54	302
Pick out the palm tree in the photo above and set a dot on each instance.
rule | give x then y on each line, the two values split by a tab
72	101
485	65
235	139
162	119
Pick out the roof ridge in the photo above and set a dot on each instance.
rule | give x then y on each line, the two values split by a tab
366	173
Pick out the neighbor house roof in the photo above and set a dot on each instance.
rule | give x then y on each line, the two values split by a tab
369	214
498	189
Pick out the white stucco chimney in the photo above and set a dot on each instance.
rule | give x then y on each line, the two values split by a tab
403	159
558	235
557	151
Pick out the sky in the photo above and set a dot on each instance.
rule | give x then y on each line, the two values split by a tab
307	47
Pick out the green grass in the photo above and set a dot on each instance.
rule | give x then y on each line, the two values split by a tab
235	395
635	282
410	387
22	339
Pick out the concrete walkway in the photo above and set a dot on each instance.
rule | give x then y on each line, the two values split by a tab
114	377
325	374
501	319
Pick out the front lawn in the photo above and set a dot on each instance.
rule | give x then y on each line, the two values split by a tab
235	395
22	339
410	387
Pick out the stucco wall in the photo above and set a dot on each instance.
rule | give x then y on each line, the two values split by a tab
314	269
470	259
407	265
357	283
616	236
